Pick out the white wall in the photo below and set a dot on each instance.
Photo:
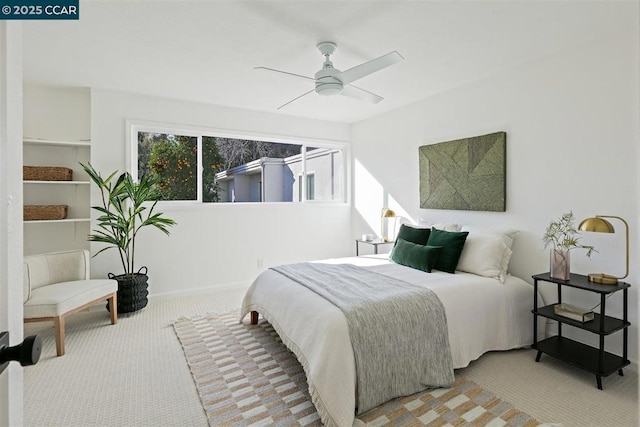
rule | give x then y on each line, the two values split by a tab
572	144
57	113
217	245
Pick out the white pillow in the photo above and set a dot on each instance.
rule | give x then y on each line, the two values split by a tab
486	255
508	233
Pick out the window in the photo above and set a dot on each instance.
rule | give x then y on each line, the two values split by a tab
311	186
172	159
236	169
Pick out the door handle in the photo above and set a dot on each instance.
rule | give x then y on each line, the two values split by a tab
27	352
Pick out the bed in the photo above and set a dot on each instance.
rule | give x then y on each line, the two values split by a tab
482	314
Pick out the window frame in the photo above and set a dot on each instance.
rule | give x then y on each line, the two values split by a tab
135	126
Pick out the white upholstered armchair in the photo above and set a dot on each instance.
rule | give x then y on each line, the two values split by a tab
59	284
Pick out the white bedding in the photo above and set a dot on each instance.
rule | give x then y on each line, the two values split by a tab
482	315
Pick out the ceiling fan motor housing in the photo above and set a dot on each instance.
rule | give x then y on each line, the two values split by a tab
327	83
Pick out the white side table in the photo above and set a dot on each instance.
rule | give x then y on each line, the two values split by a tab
375	243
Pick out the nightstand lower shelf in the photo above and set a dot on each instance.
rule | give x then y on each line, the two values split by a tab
581	355
611	324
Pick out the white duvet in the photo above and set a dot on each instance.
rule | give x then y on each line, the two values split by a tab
482	315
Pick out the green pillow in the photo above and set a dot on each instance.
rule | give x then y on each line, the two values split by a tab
414	255
414	235
452	243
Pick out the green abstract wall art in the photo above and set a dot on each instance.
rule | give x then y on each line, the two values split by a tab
465	174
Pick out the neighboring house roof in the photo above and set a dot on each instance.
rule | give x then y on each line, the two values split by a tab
249	168
255	166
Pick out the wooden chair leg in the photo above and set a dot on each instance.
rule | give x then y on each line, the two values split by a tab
113	307
254	317
58	322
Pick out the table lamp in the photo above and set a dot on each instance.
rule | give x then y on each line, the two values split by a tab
600	225
386	213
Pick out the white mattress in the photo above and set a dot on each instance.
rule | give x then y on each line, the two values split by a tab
482	315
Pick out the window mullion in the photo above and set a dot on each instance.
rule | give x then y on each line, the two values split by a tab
199	169
303	177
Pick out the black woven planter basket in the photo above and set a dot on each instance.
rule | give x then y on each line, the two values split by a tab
132	291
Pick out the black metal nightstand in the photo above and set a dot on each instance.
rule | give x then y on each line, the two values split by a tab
591	359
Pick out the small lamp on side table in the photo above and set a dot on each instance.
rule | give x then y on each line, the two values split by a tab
600	225
386	213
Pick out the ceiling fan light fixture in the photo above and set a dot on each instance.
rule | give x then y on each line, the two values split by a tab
327	84
329	89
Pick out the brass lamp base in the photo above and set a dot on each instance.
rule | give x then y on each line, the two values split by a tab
602	278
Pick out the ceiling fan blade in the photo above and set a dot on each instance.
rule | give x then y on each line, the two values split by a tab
363	95
285	72
369	67
295	99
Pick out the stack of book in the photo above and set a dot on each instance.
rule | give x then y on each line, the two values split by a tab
572	312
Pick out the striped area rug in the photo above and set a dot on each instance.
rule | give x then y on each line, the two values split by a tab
245	376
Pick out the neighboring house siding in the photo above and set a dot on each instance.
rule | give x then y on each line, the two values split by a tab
327	167
255	188
272	184
278	180
328	170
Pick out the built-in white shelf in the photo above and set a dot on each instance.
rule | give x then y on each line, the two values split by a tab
51	221
57	234
55	143
57	182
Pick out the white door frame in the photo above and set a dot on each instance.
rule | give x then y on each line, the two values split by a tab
11	233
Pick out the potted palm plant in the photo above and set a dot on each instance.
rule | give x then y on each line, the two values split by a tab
562	236
124	211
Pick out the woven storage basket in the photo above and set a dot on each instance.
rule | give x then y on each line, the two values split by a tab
132	291
40	212
46	173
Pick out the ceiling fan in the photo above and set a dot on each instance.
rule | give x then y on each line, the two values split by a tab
331	81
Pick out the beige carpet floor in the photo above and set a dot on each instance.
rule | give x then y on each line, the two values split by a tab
135	374
555	391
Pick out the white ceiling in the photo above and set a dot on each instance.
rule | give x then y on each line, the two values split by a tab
206	51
